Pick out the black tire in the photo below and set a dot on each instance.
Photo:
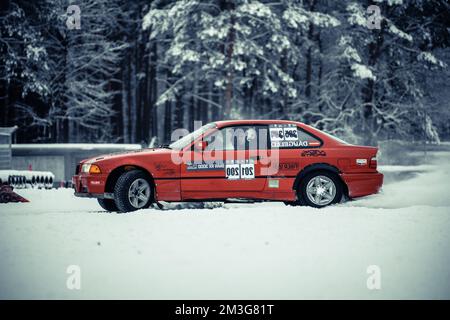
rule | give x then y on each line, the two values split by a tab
123	186
302	194
108	204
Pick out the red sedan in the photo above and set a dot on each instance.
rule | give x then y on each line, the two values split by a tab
269	160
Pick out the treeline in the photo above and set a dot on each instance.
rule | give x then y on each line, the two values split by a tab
135	71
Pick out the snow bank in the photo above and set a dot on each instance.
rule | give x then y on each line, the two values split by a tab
243	252
400	168
25	178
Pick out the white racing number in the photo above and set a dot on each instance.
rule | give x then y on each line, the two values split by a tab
247	171
290	134
234	171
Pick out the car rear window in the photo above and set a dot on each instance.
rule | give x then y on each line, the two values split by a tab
335	138
290	136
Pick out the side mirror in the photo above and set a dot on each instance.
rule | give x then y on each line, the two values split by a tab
201	145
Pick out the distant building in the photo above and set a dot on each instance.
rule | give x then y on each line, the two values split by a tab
62	158
6	135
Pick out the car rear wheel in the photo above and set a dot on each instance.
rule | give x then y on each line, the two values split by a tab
133	191
319	189
107	204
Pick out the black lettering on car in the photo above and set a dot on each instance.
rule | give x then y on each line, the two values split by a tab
314	153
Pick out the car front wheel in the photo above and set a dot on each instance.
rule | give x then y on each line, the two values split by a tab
133	191
319	189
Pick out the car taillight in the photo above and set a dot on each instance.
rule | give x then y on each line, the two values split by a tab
373	163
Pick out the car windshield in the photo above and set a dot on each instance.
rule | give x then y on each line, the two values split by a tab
189	138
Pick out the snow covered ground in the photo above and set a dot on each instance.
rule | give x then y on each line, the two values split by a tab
256	251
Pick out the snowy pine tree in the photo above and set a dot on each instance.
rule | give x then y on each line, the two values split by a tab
135	71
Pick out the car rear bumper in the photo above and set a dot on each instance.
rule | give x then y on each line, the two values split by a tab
362	184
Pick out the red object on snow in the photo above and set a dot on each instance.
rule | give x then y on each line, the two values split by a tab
8	195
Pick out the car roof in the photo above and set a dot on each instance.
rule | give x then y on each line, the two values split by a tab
225	123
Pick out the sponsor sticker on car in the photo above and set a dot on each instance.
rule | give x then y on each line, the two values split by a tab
212	165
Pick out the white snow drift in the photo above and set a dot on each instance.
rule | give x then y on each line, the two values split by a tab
261	251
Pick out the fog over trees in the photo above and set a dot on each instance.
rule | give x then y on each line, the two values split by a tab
139	69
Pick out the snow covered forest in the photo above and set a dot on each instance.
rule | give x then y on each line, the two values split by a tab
133	70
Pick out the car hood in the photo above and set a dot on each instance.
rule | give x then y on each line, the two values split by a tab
122	154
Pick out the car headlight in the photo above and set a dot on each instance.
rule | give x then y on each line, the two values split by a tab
90	168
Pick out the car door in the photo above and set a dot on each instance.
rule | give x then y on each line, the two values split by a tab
230	163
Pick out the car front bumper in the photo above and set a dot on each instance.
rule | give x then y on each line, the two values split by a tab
94	195
89	185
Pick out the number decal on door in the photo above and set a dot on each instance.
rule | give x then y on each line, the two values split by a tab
232	171
240	171
247	171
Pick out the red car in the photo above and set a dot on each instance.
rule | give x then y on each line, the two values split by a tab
268	160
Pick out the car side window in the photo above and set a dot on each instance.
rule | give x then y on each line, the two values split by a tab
288	136
249	137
